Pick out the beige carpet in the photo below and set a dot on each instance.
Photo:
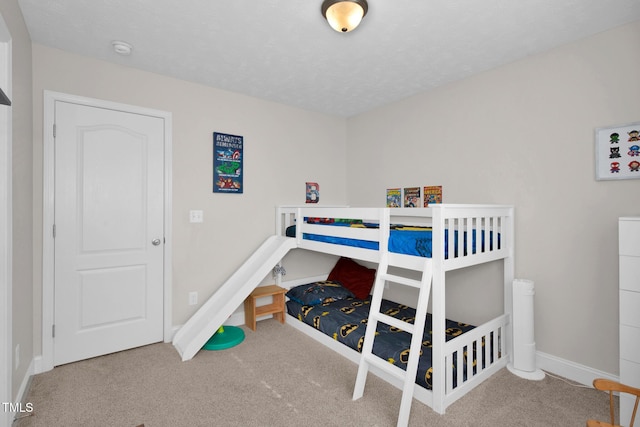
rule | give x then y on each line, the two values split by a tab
278	377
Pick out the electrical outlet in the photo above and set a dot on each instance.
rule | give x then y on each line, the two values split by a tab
193	298
196	216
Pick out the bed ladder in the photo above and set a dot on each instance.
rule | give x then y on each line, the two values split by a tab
368	359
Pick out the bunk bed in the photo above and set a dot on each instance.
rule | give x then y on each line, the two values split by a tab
440	238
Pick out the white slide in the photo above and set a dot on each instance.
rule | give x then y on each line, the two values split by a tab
207	320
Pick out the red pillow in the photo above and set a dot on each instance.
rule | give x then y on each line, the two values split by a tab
353	276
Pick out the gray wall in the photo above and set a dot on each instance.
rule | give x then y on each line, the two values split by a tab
523	134
284	148
520	134
22	201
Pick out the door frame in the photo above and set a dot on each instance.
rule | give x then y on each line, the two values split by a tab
48	247
6	226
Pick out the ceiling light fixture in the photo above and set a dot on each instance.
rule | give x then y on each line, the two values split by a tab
344	15
122	48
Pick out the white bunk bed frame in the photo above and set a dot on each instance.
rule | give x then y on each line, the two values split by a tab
492	220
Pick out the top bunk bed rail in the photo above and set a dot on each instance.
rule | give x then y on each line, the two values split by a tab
476	233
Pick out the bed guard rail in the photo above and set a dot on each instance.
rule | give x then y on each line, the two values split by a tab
478	233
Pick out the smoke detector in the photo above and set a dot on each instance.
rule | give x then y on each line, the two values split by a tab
122	48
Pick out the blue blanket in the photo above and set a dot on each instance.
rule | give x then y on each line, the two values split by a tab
402	239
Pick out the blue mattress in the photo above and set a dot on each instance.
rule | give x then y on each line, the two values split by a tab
402	239
345	321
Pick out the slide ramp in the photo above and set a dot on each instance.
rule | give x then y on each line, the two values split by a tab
207	320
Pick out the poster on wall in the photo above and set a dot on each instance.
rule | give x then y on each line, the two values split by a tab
412	197
432	195
312	194
618	152
394	197
228	153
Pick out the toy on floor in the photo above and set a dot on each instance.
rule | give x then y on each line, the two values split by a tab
225	337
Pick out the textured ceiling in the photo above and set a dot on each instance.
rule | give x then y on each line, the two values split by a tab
284	51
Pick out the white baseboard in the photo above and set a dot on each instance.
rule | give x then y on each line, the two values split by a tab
22	392
173	331
236	319
573	371
555	365
37	365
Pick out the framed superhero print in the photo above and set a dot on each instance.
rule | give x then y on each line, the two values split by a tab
228	155
618	152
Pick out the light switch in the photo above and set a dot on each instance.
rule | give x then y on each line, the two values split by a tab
196	216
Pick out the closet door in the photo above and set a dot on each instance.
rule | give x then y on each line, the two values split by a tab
109	242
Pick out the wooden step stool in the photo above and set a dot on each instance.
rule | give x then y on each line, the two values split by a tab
251	312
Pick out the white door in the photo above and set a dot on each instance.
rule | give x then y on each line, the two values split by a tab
109	244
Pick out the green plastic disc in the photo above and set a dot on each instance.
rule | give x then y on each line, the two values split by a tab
225	337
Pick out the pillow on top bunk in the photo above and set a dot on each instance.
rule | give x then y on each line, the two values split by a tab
353	276
319	292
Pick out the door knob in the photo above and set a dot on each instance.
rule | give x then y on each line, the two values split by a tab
155	242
